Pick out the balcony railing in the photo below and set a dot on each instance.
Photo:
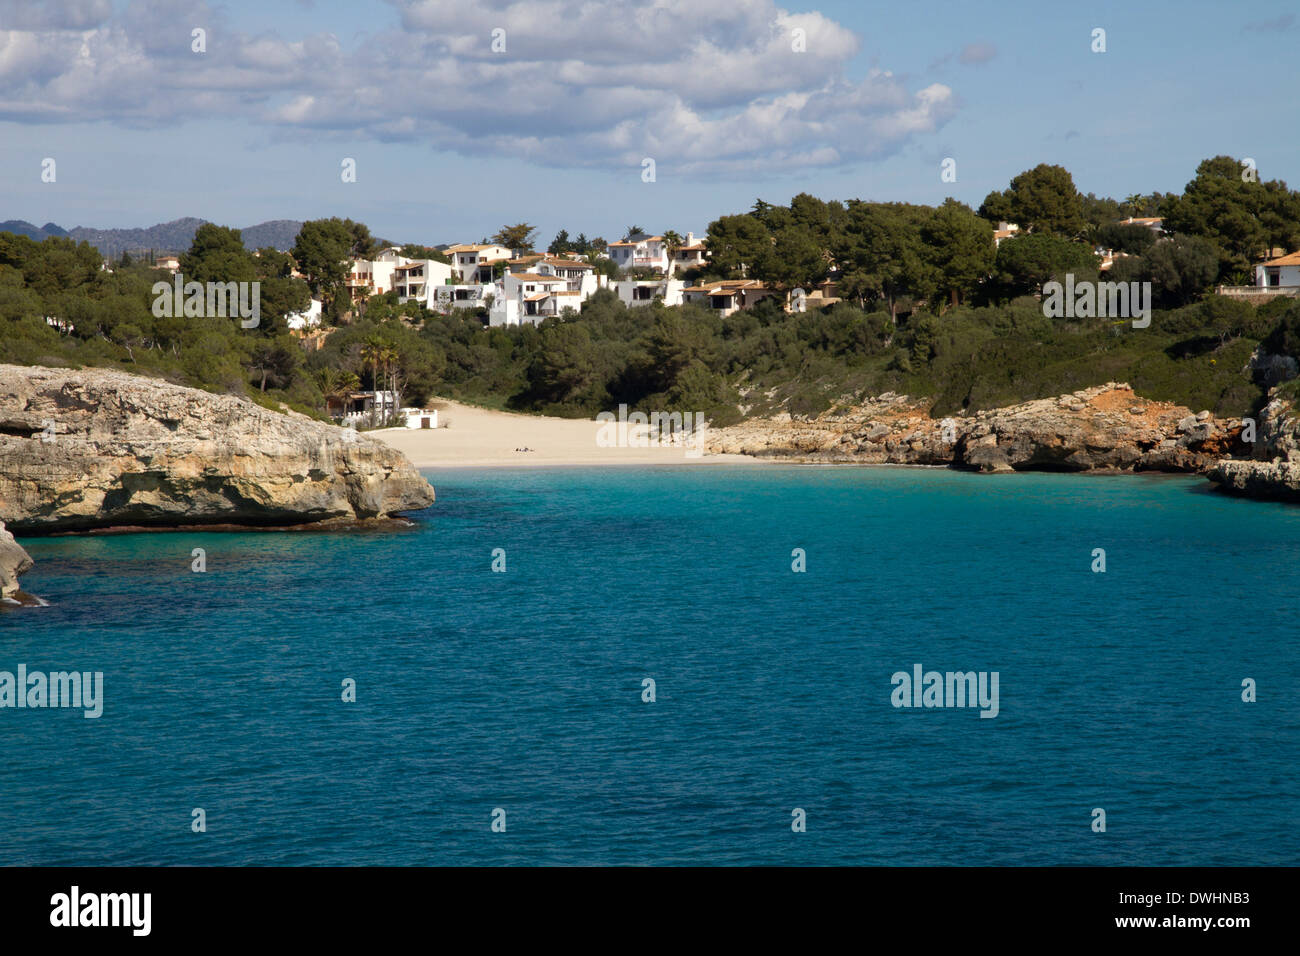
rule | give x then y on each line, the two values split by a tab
1245	291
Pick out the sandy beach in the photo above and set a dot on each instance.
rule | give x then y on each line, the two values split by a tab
478	437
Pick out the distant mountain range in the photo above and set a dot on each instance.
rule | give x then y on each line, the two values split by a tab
174	236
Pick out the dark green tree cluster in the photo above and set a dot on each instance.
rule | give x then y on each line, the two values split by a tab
324	251
1245	217
881	253
59	307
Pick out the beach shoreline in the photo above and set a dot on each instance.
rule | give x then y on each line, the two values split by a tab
472	437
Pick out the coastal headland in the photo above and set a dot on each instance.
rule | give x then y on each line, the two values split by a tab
92	449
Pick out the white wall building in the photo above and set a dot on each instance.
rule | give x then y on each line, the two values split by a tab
651	252
645	291
691	254
1279	273
308	319
374	276
648	252
552	286
474	263
420	418
463	295
421	279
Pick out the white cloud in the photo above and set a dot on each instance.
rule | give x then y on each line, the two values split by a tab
59	15
707	87
976	54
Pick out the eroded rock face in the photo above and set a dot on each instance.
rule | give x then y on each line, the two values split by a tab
13	562
93	448
1107	427
1276	471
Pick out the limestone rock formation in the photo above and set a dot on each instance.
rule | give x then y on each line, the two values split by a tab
1106	427
1275	473
94	448
13	562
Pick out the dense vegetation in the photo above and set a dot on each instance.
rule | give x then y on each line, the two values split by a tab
929	308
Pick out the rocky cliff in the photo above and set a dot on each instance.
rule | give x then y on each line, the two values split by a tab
1275	472
1107	427
13	562
95	448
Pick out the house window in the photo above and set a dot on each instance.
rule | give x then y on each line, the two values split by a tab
643	293
1273	276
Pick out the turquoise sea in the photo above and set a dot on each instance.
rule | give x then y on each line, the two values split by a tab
522	690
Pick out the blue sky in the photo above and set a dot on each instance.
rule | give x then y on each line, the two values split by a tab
452	140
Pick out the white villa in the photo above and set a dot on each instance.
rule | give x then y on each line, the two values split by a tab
645	291
1280	273
548	289
691	253
473	263
421	279
651	252
374	276
648	253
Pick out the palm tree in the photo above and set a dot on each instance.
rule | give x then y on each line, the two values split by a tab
1134	204
370	357
633	232
673	242
336	385
389	356
327	380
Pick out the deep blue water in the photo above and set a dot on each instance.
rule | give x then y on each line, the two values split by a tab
522	690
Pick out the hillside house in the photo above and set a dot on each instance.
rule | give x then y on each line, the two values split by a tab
474	264
729	295
1280	273
645	291
421	279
